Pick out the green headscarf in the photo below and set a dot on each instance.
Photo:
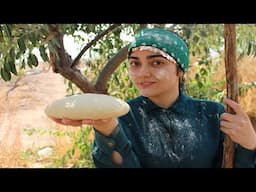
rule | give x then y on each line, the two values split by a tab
167	41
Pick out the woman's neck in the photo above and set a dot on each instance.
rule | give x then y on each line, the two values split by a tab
165	100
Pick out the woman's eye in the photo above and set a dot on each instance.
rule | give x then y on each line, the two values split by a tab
134	63
157	63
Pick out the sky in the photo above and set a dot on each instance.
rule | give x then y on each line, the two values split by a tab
73	47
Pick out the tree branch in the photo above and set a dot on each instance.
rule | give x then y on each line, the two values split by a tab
232	86
109	68
99	36
63	63
78	79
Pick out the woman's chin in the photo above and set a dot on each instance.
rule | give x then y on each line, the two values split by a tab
147	93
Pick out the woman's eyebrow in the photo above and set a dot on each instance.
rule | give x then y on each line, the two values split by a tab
153	56
132	57
148	57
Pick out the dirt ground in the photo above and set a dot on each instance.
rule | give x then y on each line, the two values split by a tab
22	108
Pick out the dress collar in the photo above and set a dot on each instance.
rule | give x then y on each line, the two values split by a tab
178	106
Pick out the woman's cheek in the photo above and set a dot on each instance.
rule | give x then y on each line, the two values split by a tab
131	74
161	74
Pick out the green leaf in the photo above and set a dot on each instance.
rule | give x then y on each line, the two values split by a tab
200	84
22	64
7	67
44	31
203	71
195	39
12	53
7	30
13	68
187	33
6	75
29	61
11	61
197	77
34	60
1	34
43	53
18	54
203	33
21	45
32	38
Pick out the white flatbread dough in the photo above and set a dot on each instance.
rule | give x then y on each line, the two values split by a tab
87	106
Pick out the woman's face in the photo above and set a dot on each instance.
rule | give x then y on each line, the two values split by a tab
152	74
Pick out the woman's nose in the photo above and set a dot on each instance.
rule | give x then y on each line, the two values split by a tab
144	71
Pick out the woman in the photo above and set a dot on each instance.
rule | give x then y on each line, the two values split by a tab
165	127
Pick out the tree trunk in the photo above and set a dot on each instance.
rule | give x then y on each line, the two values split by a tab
232	86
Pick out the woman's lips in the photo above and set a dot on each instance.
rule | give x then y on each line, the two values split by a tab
145	84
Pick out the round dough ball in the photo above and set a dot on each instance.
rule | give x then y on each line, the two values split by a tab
87	106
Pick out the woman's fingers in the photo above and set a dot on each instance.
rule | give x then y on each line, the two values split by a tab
234	105
95	121
71	122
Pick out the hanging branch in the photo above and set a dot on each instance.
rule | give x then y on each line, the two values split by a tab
232	86
112	27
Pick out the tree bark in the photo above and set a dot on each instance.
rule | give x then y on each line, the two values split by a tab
232	86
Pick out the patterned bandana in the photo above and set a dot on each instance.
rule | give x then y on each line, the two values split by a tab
166	41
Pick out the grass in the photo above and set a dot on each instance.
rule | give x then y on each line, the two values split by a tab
72	149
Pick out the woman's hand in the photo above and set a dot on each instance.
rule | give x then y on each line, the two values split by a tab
104	126
238	126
